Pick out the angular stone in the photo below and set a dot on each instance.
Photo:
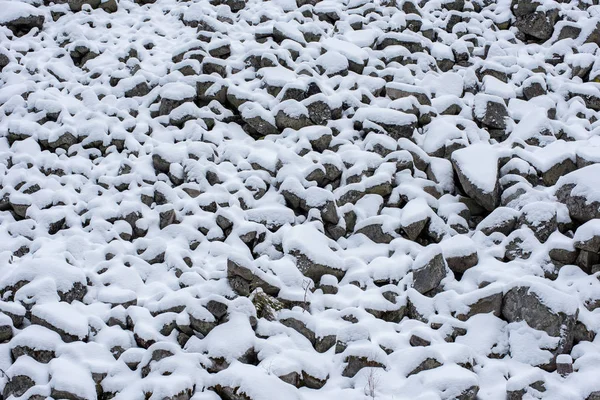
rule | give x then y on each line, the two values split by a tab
244	280
429	268
356	363
523	303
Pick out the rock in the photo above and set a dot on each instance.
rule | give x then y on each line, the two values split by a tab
201	320
374	230
483	301
313	382
538	25
469	394
394	123
320	109
218	308
36	342
20	17
520	245
460	253
356	57
356	363
534	87
543	308
174	95
244	279
578	190
477	170
427	364
17	385
490	111
587	237
540	217
156	354
70	382
63	319
291	114
109	6
429	268
591	96
6	328
319	137
418	341
593	395
397	90
299	326
259	119
313	256
564	365
140	89
266	306
4	60
502	219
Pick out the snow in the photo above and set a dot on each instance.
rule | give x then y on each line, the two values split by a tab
310	242
63	316
90	181
177	91
587	231
384	116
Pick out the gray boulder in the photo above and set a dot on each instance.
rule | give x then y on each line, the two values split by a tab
477	170
490	111
356	363
540	217
576	190
429	268
537	25
292	114
244	279
110	6
17	385
543	308
24	18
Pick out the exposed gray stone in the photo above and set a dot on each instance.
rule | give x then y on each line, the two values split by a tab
521	303
428	271
356	363
243	280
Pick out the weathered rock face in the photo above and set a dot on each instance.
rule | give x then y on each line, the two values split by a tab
17	386
356	363
540	217
538	25
244	280
490	111
429	269
521	303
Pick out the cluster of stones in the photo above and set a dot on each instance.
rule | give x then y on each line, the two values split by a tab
167	167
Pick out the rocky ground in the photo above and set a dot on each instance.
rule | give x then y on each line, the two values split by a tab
299	199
